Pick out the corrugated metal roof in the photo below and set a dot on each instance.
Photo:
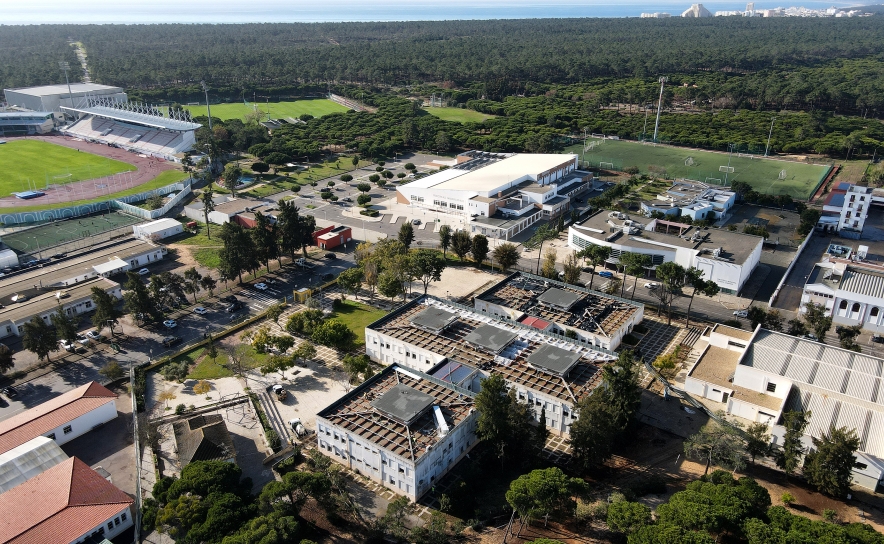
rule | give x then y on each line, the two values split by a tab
862	282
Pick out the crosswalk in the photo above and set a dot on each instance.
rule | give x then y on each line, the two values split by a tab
260	300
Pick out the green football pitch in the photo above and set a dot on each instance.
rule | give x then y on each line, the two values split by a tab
773	177
35	163
458	115
277	110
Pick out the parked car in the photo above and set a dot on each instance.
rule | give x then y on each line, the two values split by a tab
741	313
297	427
170	323
261	286
415	221
82	339
143	272
877	339
331	255
811	336
67	345
232	307
606	274
170	341
59	255
280	391
229	298
328	277
652	285
10	392
200	310
93	335
346	199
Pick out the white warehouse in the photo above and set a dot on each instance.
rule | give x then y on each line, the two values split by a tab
726	258
400	428
157	230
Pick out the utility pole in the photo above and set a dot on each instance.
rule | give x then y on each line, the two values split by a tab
66	67
728	170
208	109
663	81
769	134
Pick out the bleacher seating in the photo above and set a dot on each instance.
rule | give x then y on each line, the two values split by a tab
150	141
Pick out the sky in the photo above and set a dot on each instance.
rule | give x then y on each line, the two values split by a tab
240	11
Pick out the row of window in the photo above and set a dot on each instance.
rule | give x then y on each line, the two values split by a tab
66	429
443	204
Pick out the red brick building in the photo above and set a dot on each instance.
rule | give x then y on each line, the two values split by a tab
331	237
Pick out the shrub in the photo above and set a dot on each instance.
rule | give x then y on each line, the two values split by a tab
830	515
409	166
631	170
733	323
370	213
180	409
273	439
379	169
787	498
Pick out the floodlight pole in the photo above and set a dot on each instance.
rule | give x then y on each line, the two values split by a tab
730	151
769	134
66	66
663	81
208	109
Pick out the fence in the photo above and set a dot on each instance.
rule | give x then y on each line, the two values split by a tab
776	293
90	208
183	192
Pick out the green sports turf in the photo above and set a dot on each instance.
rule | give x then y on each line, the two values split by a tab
60	232
43	162
762	174
167	177
458	115
278	110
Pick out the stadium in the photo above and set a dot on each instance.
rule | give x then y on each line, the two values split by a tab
108	147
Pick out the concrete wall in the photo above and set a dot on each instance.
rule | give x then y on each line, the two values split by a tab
84	423
388	351
112	526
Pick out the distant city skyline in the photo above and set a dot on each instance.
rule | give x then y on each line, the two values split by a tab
283	11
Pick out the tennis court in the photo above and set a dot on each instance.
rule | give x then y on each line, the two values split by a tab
774	177
59	232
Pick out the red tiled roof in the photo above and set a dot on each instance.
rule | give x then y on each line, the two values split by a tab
42	418
59	505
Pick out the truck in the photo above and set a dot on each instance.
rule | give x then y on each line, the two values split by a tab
281	392
298	428
304	263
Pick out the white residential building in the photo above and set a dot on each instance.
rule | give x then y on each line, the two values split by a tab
401	428
695	200
726	258
852	291
696	10
857	202
547	370
760	375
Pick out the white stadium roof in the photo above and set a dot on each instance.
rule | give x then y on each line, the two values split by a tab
62	89
152	121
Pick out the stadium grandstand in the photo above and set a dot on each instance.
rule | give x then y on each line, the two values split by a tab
135	127
17	123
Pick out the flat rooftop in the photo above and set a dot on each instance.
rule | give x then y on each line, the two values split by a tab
554	360
62	89
733	332
434	319
495	173
501	221
561	303
44	302
358	411
717	365
512	362
736	245
57	271
403	403
490	337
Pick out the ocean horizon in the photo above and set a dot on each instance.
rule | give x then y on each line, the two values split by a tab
288	11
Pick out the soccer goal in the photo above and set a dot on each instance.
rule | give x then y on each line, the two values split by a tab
600	136
606	165
782	175
726	169
713	181
591	145
689	161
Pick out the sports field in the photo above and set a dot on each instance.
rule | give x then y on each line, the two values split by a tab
41	163
458	115
774	177
278	110
59	232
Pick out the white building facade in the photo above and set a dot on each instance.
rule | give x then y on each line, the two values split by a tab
157	230
852	292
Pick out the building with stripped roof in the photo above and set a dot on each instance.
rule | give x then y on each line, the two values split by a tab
547	370
758	375
852	290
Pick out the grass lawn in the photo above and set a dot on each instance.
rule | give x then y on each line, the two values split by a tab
167	177
43	162
207	256
277	110
207	369
357	316
459	115
762	174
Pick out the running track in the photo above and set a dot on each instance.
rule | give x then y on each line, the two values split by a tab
146	168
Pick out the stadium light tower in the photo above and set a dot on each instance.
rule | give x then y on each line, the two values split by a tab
208	109
769	134
663	81
66	67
